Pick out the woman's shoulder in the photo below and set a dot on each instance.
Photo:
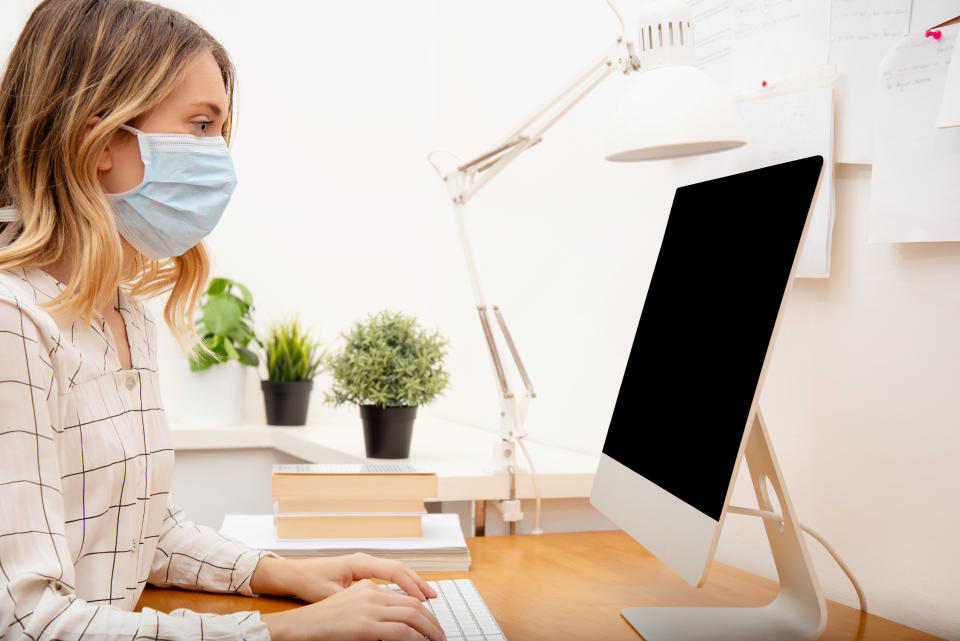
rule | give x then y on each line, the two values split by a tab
21	314
21	291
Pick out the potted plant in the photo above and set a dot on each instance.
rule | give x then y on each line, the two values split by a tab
293	359
388	366
214	391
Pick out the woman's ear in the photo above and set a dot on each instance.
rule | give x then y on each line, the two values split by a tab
105	162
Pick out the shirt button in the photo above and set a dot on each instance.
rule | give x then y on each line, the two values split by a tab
131	382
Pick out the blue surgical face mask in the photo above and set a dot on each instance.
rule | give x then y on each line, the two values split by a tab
187	182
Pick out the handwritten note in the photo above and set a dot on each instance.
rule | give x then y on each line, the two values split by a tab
784	127
915	191
712	37
861	33
777	37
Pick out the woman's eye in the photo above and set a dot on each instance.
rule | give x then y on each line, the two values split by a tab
204	124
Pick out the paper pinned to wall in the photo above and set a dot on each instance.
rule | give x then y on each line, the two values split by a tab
713	38
777	38
949	115
861	33
786	126
915	191
925	14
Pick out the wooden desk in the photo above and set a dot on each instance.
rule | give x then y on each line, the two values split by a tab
573	586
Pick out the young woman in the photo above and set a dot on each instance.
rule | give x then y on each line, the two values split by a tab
113	167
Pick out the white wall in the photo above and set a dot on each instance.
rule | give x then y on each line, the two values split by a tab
338	214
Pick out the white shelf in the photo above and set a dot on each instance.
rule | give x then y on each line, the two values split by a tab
458	453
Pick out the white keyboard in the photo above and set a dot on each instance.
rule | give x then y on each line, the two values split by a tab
461	611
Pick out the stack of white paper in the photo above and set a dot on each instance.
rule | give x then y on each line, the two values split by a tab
442	547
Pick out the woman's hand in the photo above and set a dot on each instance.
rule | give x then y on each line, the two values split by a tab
317	578
364	611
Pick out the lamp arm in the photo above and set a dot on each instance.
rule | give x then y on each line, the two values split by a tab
462	184
495	167
490	163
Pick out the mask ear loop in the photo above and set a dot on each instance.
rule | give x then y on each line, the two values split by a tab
144	146
14	223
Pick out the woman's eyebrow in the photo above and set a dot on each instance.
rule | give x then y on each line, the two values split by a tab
213	107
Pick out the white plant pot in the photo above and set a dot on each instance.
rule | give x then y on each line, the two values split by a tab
214	397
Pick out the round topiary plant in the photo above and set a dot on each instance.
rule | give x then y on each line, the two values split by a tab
388	366
388	361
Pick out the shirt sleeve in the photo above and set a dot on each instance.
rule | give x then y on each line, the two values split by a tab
195	557
37	577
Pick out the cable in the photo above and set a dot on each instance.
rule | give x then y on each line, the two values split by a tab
623	27
536	489
441	151
773	516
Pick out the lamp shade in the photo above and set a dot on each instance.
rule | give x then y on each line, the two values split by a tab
673	111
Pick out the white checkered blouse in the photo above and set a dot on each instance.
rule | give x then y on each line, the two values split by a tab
85	467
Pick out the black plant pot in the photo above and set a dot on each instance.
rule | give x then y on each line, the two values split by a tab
387	432
286	403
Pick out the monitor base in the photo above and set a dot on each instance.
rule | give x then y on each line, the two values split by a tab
798	613
768	623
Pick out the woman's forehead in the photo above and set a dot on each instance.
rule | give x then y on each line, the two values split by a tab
202	84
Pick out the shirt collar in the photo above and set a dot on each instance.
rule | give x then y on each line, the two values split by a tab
48	285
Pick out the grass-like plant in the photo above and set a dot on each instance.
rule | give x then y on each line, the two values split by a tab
388	361
292	353
224	326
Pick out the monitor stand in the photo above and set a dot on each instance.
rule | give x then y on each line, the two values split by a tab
798	613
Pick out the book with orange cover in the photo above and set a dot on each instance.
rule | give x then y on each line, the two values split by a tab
348	506
365	481
348	526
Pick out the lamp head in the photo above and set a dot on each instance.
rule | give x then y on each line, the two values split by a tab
671	108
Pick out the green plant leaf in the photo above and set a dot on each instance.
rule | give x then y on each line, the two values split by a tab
247	296
221	314
218	286
231	350
247	357
292	355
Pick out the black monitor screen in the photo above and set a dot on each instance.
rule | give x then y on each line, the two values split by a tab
706	324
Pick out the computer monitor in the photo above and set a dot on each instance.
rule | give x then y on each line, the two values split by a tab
691	385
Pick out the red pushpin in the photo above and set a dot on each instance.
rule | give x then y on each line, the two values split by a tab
763	84
930	33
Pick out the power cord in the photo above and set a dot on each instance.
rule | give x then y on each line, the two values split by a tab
773	516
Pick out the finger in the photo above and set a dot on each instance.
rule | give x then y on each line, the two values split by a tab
412	584
418	618
365	584
425	588
367	567
394	631
396	600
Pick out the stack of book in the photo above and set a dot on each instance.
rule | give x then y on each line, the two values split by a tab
383	500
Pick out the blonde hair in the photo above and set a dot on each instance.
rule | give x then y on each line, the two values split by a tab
76	60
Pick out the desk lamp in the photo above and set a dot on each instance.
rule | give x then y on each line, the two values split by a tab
670	109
